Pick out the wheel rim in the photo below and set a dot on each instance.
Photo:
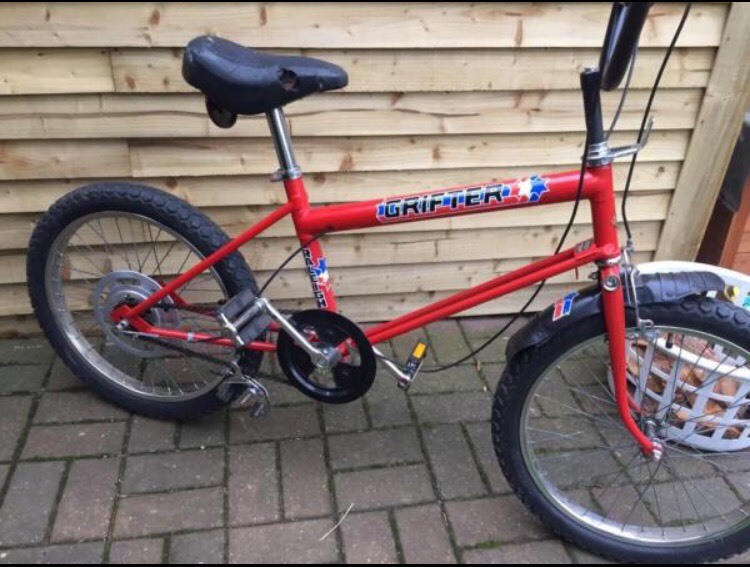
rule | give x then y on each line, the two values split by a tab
582	459
109	254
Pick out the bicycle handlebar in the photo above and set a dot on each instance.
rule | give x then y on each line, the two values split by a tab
621	41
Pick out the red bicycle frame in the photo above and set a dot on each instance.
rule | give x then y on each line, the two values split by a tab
310	222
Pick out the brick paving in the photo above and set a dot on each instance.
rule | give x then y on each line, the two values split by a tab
82	481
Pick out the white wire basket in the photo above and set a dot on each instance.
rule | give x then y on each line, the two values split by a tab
699	393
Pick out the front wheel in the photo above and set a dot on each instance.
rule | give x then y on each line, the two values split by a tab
568	456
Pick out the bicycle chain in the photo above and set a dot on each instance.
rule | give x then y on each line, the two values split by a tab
209	358
208	310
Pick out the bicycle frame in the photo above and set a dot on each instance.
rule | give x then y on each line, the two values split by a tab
311	221
533	191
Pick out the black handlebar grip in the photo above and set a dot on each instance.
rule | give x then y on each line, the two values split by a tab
623	32
592	104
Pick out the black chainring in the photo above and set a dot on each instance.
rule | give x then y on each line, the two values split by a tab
349	379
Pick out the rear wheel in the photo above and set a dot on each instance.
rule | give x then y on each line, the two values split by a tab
114	244
566	453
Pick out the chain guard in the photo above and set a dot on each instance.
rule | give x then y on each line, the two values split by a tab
349	379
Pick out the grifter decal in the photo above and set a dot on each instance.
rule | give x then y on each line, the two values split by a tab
319	278
491	196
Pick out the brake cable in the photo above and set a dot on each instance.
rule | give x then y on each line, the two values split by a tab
644	122
624	96
646	114
289	258
539	288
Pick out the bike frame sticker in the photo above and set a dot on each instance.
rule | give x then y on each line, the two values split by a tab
564	306
491	196
319	277
584	246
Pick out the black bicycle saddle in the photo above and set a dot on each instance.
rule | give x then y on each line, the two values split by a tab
240	80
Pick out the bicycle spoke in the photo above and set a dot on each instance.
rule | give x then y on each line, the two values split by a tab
166	255
122	240
99	270
631	464
608	423
692	502
699	457
101	234
153	239
554	435
641	494
676	493
135	363
674	377
683	494
550	456
134	242
598	381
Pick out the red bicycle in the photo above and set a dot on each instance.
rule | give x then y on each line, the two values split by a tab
621	419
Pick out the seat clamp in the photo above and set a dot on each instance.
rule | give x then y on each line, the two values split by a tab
286	174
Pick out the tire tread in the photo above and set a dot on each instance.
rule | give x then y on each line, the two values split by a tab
169	210
515	382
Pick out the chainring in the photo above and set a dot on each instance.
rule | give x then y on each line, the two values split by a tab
347	380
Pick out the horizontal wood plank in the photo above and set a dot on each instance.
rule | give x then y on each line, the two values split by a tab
334	114
16	229
31	196
641	208
248	156
374	248
30	71
159	70
358	280
52	159
361	308
48	71
340	24
44	159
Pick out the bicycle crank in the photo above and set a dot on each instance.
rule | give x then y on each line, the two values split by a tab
345	368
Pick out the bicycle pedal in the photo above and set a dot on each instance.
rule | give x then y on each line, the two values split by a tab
413	365
243	317
254	399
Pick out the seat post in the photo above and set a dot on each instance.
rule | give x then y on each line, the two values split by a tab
282	141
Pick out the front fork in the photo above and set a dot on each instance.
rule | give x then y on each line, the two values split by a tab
613	303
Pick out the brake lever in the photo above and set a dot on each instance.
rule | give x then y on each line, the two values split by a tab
624	151
602	154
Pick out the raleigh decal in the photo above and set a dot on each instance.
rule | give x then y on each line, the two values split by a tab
319	277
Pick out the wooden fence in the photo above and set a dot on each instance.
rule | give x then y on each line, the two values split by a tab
440	94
